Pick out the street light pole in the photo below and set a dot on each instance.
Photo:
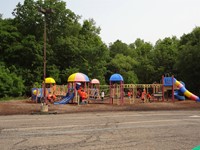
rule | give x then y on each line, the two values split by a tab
44	76
45	11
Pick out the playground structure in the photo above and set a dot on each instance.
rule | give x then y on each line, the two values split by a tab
133	92
94	90
185	91
174	84
116	89
38	93
148	92
178	94
142	91
79	89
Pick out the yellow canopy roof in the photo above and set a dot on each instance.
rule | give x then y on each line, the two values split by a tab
49	80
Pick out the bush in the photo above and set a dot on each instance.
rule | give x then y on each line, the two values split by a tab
10	84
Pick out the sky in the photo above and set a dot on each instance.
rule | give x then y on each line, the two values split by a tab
127	20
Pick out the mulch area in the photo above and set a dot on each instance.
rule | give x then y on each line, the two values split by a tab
16	107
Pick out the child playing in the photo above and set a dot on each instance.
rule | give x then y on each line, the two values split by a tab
129	94
143	95
51	97
149	97
102	95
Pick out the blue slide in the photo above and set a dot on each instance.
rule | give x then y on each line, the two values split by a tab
66	99
178	96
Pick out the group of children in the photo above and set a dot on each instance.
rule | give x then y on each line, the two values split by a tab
143	95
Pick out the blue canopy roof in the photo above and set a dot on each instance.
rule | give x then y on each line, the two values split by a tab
116	77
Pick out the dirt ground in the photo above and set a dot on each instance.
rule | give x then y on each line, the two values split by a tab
16	107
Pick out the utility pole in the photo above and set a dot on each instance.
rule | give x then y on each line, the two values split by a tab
45	12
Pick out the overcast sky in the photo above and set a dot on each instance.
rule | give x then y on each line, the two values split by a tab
128	20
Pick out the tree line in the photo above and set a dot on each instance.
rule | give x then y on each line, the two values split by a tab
77	47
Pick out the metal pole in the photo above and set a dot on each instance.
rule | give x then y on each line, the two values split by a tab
45	11
44	76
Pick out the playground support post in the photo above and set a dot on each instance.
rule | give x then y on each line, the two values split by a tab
111	99
173	88
122	92
163	90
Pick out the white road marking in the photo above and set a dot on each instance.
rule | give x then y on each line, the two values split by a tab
93	125
6	119
195	116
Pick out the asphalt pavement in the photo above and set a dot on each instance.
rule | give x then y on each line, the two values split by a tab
121	130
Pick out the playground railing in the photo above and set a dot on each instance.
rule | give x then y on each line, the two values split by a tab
157	96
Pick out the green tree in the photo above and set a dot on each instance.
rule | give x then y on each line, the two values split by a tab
9	37
141	49
142	52
124	65
187	64
69	44
93	53
165	56
28	55
119	47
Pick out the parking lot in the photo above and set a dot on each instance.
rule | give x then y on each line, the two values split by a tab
129	130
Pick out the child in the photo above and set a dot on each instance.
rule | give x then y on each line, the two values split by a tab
51	97
149	97
102	95
129	94
143	95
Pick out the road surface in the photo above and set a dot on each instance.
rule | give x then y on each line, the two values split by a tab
121	130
